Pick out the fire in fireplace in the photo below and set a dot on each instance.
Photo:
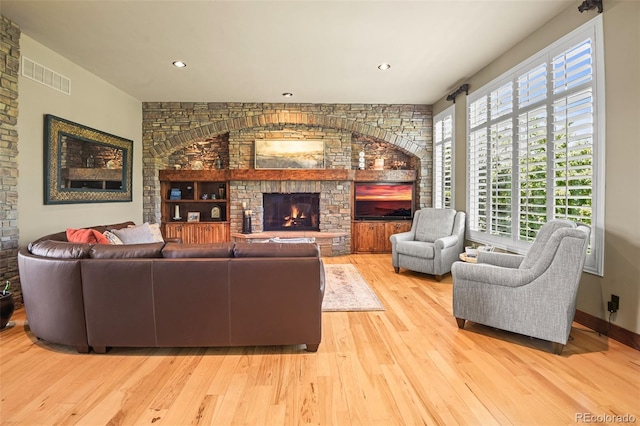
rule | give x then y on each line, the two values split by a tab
291	212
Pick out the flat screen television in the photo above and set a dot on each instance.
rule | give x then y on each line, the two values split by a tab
384	200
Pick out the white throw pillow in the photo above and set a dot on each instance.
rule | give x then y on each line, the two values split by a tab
135	234
156	233
113	238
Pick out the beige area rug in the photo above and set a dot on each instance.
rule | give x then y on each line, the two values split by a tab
346	290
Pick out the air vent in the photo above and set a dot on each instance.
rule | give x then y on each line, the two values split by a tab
44	75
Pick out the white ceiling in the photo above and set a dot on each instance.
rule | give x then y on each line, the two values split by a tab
253	51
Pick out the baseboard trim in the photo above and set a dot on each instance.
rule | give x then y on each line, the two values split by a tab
612	331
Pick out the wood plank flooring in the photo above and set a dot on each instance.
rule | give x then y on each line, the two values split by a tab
407	365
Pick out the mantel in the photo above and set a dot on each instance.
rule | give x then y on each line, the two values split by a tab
290	175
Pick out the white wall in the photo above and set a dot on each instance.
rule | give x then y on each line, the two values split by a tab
93	103
621	22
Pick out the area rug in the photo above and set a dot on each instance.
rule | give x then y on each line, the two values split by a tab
346	290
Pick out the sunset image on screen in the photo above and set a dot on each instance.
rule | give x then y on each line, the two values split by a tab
384	192
383	201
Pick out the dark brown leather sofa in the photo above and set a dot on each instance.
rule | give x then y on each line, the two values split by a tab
172	295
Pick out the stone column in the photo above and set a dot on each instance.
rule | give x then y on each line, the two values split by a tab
9	67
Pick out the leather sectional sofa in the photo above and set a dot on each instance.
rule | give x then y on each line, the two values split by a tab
171	294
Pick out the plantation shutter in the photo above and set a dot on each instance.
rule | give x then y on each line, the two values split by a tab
532	151
573	131
443	159
478	161
532	172
535	147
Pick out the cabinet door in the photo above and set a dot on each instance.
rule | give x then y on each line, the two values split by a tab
204	233
198	233
394	228
172	230
220	232
368	237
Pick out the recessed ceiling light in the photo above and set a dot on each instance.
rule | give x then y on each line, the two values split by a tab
287	94
179	64
384	66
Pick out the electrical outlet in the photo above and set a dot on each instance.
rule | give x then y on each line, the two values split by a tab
614	304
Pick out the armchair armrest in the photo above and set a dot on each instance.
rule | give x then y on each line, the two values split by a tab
492	275
402	236
505	260
446	242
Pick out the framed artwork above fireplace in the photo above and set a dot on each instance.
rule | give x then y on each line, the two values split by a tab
289	154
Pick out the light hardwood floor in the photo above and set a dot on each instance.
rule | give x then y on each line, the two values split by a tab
407	365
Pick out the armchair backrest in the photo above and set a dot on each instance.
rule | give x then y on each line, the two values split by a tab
558	240
430	224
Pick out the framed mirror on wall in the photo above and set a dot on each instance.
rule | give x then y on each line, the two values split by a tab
85	165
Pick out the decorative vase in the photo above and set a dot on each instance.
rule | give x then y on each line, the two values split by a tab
6	308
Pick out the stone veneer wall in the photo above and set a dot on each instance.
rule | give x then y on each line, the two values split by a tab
334	204
397	132
9	68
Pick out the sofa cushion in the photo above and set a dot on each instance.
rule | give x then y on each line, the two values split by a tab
60	249
276	250
85	235
176	250
434	224
127	251
138	234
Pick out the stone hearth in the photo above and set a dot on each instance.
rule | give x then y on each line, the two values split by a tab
331	243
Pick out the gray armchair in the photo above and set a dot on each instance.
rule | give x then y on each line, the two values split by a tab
534	295
434	242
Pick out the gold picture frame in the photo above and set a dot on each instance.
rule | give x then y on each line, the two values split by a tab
85	165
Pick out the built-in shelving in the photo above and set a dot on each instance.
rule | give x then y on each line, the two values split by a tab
195	205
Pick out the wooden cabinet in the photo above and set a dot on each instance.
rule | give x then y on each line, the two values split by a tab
197	233
373	236
195	205
394	228
366	236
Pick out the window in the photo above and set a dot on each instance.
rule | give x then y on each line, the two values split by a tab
536	146
443	133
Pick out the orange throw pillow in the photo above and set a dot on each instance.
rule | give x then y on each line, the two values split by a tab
90	236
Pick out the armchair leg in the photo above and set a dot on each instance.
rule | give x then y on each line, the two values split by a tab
460	322
438	278
397	269
557	348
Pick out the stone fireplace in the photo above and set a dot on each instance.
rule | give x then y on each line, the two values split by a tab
332	228
397	133
291	212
